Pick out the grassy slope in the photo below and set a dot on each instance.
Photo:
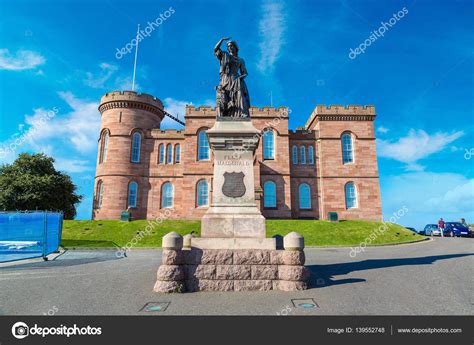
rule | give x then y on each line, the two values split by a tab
112	233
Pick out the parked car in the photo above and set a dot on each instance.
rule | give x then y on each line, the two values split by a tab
412	229
431	230
456	229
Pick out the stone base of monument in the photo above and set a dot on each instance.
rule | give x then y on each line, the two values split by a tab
190	269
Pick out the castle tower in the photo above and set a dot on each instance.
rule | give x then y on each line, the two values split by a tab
124	150
346	161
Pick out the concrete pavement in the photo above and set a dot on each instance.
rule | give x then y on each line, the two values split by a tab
428	278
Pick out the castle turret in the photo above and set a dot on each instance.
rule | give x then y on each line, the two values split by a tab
124	146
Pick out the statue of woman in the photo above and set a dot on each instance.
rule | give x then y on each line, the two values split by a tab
232	96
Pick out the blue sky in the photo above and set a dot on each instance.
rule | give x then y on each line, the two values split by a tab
58	57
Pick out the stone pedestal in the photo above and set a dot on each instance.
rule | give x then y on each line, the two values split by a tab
233	212
217	269
233	253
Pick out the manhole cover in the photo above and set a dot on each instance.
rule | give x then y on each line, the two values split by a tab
305	303
155	307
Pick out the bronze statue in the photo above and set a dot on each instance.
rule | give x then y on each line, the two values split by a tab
232	96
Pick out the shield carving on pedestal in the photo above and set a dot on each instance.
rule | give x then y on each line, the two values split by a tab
234	186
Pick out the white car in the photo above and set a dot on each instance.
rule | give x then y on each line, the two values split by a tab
432	230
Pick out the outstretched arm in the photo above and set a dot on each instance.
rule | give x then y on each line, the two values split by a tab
218	45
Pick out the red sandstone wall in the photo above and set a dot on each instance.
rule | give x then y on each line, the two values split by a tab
330	124
326	177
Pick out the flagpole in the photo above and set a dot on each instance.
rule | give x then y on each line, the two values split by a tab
135	62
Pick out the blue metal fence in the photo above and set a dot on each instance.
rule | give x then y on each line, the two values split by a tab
26	235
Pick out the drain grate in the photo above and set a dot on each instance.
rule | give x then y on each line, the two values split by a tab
305	303
155	307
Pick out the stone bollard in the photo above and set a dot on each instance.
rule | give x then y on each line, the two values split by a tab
187	241
293	241
173	241
171	272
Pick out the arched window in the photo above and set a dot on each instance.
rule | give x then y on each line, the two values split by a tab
132	194
305	196
310	155
351	195
347	151
167	195
294	155
303	154
202	193
161	154
100	193
169	154
177	153
269	194
268	144
203	146
104	146
136	143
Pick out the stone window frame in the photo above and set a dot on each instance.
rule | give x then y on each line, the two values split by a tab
198	183
198	133
273	149
104	145
294	155
350	135
354	198
100	194
302	155
177	153
303	184
134	183
132	143
162	196
161	154
270	182
169	154
310	155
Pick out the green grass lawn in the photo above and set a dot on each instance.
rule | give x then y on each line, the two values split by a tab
113	233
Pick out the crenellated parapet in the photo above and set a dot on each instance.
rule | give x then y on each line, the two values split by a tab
131	99
255	112
167	134
302	134
335	112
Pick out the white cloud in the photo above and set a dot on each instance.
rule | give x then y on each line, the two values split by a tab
428	196
458	199
272	27
178	108
382	129
73	165
23	60
58	134
98	81
125	83
416	146
174	107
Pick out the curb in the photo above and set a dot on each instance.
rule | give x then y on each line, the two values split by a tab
428	239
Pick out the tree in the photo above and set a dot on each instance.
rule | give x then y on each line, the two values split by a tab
32	183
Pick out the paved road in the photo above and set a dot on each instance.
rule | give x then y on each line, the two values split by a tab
426	278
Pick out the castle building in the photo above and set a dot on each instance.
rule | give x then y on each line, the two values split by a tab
329	165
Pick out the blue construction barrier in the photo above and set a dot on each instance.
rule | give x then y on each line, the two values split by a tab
26	235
